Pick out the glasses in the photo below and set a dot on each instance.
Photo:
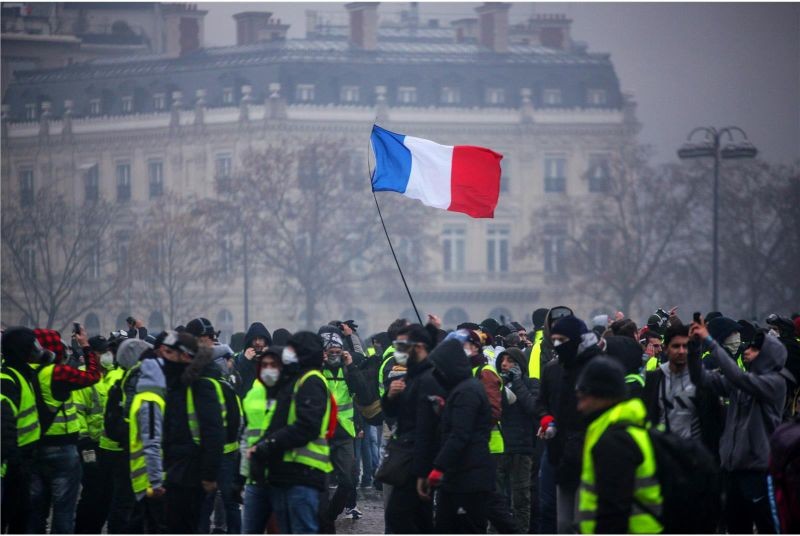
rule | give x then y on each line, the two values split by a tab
403	345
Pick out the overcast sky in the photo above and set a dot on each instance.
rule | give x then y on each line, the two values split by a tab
696	64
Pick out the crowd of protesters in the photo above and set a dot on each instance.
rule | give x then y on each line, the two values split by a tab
682	426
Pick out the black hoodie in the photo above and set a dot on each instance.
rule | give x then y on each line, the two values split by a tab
518	421
247	368
466	422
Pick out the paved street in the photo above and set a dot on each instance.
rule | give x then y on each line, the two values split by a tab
370	502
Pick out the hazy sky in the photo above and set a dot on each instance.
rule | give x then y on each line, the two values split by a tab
687	64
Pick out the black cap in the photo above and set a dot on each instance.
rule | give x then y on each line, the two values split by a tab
18	343
200	327
98	344
490	326
602	377
538	317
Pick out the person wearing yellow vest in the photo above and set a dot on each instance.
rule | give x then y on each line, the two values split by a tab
145	437
295	448
194	431
619	490
259	406
21	429
652	347
57	472
344	380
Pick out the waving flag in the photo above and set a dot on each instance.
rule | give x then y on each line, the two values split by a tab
459	178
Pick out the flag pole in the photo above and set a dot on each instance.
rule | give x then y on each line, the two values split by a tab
370	173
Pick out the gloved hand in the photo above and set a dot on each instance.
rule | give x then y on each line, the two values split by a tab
547	428
435	478
515	373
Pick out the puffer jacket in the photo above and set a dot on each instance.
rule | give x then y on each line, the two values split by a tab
756	402
518	422
466	421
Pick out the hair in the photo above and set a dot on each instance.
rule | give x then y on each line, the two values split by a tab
417	333
675	330
395	327
625	328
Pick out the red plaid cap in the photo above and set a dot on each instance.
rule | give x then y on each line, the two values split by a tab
51	340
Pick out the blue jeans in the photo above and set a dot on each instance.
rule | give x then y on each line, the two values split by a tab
257	508
233	516
56	482
547	496
369	453
297	509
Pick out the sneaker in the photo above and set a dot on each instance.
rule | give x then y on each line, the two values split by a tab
353	513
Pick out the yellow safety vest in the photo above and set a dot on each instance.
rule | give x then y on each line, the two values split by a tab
194	425
344	400
535	361
258	412
140	481
89	405
27	415
496	443
635	378
316	453
652	364
111	377
647	490
387	355
65	421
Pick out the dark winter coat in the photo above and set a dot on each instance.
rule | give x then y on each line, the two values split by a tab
247	369
519	421
186	463
466	421
756	402
11	453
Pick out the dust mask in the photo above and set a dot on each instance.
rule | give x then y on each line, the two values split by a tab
401	358
270	376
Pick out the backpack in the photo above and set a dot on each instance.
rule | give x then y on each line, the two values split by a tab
118	405
690	484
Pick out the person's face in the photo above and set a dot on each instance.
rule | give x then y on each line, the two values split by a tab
205	340
523	335
270	362
176	356
259	343
333	354
506	364
750	354
677	350
654	346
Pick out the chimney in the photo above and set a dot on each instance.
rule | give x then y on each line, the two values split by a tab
552	30
183	28
311	22
466	30
273	31
493	23
363	24
248	24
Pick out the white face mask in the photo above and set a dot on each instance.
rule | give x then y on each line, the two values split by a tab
732	343
401	358
467	353
774	332
107	359
270	376
288	356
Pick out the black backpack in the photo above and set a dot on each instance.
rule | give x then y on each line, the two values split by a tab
690	484
115	417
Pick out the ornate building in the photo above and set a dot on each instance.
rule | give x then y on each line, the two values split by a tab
129	128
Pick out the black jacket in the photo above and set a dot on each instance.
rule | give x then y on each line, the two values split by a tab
248	368
311	401
519	423
188	464
466	421
11	453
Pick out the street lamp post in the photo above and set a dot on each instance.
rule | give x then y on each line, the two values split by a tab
711	147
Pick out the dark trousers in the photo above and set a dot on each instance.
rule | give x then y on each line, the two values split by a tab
748	503
148	517
461	513
514	480
536	459
343	459
123	501
498	510
96	489
16	499
406	513
548	522
183	506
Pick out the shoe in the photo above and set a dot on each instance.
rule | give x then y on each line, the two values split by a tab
353	513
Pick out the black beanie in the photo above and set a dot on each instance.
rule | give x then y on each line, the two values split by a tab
571	327
17	344
490	326
538	317
721	327
602	377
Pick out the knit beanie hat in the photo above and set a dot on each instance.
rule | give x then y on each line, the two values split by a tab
490	326
602	377
570	326
129	352
538	317
722	326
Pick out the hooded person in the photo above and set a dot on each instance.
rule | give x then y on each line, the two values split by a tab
727	332
787	334
295	447
256	340
757	395
463	469
628	353
21	428
194	431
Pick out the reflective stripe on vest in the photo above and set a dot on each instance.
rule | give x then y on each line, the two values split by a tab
315	454
496	443
90	411
111	377
65	421
28	428
258	412
652	364
344	400
647	490
535	362
194	424
140	481
635	378
387	355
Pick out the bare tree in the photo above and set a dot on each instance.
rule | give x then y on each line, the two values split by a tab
311	220
621	236
56	258
177	261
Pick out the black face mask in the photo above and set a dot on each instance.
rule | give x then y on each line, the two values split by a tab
171	368
567	351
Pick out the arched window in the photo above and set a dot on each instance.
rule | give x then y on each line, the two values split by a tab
453	317
225	325
501	314
92	324
155	322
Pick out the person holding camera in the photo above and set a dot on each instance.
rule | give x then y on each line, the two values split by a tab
136	329
256	340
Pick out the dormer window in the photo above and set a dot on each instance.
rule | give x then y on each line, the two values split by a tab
304	92
94	107
551	97
30	112
450	95
227	95
495	95
407	95
127	105
159	101
596	97
349	94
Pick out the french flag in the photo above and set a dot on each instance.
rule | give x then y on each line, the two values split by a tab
459	178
